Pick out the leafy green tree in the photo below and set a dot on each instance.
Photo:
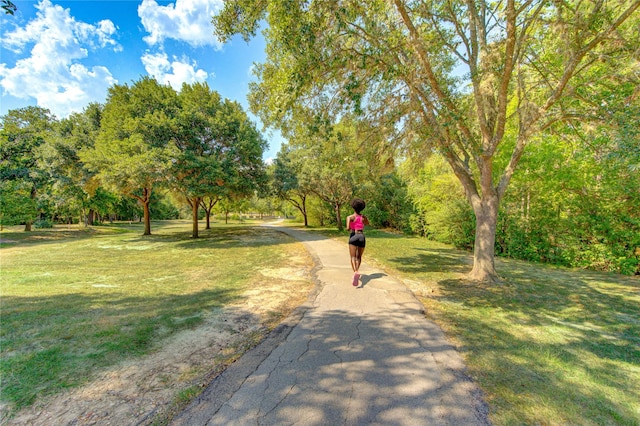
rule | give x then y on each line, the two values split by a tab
285	183
134	148
442	213
454	76
219	150
24	131
207	203
331	168
196	170
16	203
241	149
389	204
75	190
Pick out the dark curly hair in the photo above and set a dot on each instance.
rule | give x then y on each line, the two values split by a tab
358	204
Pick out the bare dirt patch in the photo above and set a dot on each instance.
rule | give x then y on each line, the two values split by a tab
149	389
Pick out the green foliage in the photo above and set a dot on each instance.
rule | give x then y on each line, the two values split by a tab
164	208
24	135
43	224
219	149
441	211
16	203
388	203
575	205
8	7
437	76
133	150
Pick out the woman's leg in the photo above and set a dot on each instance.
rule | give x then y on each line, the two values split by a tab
358	260
353	250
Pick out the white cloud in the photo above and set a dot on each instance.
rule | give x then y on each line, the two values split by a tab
53	74
188	21
173	72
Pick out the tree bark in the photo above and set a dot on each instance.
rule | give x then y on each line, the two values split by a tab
147	217
208	207
195	204
27	225
301	206
338	217
486	212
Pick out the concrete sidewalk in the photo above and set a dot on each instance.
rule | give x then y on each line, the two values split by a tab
351	356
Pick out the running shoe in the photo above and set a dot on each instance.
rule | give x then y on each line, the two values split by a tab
356	277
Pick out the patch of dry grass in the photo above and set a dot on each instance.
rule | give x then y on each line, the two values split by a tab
75	302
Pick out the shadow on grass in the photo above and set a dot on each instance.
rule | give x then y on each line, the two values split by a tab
55	342
434	260
10	239
565	340
164	231
548	344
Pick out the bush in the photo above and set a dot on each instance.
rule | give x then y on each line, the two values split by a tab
43	224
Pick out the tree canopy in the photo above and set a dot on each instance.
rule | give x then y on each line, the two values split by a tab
219	149
472	80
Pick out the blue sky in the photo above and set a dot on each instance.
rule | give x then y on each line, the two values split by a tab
62	55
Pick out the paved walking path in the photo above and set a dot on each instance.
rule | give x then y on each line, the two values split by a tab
351	356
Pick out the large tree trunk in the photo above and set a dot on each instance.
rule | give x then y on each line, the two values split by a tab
486	212
195	204
145	200
27	225
147	217
338	216
301	206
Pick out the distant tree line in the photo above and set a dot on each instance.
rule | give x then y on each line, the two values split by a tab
111	160
505	128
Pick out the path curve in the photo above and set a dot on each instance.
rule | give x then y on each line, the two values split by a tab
349	356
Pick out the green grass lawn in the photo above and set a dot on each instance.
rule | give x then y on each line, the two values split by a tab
548	346
74	301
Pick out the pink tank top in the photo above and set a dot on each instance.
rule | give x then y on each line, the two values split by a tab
357	224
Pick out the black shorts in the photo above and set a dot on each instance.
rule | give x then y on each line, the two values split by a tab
357	239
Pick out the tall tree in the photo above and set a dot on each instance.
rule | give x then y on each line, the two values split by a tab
75	188
219	149
453	75
332	168
134	148
196	171
285	183
239	152
23	132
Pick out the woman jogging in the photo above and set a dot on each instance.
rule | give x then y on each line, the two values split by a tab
355	224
